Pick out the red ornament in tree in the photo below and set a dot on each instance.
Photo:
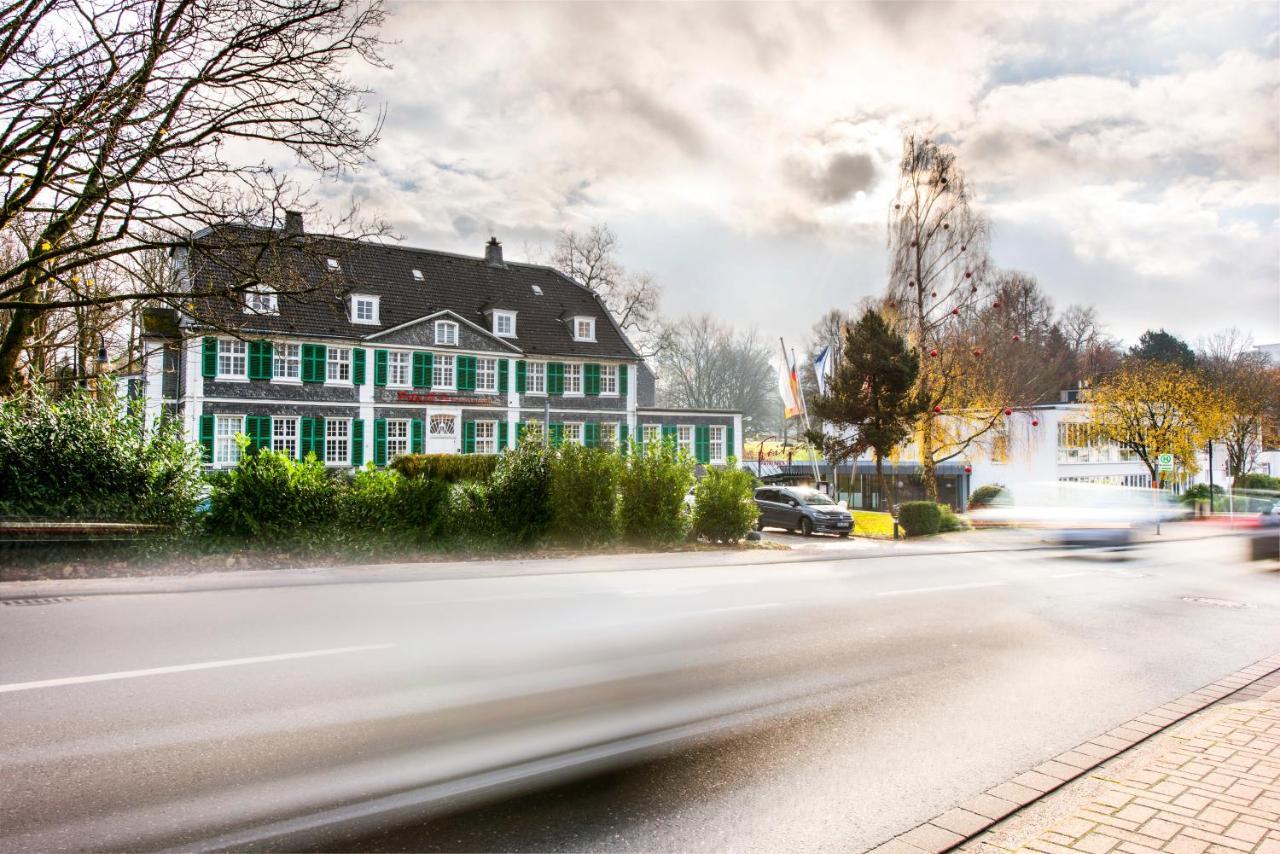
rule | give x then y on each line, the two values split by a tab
978	352
962	248
946	225
995	304
933	353
911	283
968	274
955	311
937	410
968	469
1008	412
1016	338
1035	422
975	289
934	294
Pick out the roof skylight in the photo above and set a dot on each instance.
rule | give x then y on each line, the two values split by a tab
332	264
417	275
537	289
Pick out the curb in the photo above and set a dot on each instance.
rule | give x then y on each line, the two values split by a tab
975	816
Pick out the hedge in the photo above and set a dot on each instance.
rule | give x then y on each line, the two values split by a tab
985	496
450	468
725	508
654	482
584	494
919	518
1256	480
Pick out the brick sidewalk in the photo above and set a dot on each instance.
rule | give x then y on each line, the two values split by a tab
1218	790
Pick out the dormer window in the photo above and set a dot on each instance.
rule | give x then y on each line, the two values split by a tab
446	333
537	290
417	276
364	309
260	300
504	324
584	329
333	265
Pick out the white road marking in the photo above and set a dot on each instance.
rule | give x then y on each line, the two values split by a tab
184	668
1068	574
973	586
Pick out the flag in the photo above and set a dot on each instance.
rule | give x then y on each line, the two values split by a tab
822	368
789	388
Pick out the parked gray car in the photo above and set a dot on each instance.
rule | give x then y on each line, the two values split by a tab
800	508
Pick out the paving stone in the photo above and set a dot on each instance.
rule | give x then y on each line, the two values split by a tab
1015	792
962	822
990	806
1096	843
1185	845
929	837
1036	780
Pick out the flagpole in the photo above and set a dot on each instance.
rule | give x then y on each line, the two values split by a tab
804	410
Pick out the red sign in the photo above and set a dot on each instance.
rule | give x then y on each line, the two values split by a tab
443	397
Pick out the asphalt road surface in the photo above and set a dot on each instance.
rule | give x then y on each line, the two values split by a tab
827	698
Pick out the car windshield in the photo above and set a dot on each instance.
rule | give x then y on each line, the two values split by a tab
812	496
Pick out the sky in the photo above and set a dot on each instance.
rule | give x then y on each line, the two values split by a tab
1128	154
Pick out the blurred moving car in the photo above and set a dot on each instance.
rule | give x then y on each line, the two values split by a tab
803	509
1079	514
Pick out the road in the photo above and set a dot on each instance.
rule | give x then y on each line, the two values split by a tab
331	708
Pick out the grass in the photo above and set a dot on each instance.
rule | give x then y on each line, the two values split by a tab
869	523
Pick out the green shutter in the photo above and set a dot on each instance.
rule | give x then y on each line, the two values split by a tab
258	429
555	378
379	441
260	360
730	449
423	365
591	435
357	442
702	443
209	359
468	437
313	363
380	367
466	376
591	379
623	438
522	371
206	437
622	380
502	436
415	436
557	435
504	376
306	436
357	366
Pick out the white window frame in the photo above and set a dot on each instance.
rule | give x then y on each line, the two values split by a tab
440	363
399	362
609	441
260	299
578	321
714	431
573	372
334	359
285	435
226	451
286	362
608	380
684	438
651	434
333	265
499	315
331	459
486	444
450	338
532	371
233	352
572	432
486	369
417	275
366	299
398	445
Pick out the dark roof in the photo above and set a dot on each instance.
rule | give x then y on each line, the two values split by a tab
313	299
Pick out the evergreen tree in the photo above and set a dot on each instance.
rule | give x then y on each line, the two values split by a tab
1160	346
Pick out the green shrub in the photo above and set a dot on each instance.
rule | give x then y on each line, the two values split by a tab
985	496
949	521
520	493
1200	492
449	468
78	456
270	497
1256	480
470	515
654	482
584	494
919	518
725	508
424	506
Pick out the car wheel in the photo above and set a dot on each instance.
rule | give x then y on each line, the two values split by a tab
844	534
806	527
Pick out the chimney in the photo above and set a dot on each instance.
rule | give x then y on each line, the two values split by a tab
293	222
493	253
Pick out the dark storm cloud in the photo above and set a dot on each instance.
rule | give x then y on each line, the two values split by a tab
837	180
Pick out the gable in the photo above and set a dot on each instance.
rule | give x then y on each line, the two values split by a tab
421	333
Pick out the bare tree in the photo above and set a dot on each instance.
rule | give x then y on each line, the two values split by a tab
828	331
633	299
120	124
1249	387
1094	350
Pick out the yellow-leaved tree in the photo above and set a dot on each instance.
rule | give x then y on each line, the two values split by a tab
1155	408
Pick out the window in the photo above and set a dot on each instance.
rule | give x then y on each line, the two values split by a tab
486	374
337	441
717	444
446	332
572	378
442	372
284	436
397	437
584	329
486	437
684	438
537	291
417	275
608	379
333	265
653	434
535	378
399	364
364	309
288	361
608	435
504	324
339	365
573	432
226	452
233	358
259	300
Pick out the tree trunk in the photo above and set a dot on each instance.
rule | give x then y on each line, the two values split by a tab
15	338
928	467
884	490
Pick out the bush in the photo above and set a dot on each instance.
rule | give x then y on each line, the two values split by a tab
725	508
584	494
654	482
949	521
1256	480
450	468
1200	492
78	456
919	518
271	497
985	496
424	507
470	515
520	493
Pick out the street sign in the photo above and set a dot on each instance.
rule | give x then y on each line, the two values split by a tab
1164	462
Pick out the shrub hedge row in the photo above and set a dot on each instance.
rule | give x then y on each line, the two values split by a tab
451	468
